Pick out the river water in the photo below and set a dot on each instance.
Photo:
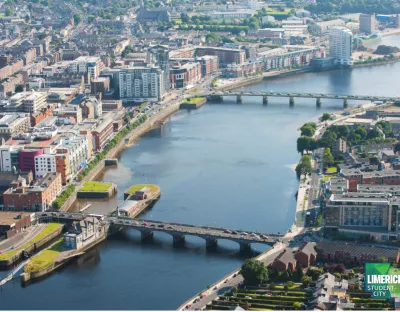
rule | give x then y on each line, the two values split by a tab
393	40
225	164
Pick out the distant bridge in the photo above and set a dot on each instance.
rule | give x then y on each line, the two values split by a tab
176	230
217	95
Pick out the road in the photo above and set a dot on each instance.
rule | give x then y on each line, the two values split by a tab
21	238
227	283
206	232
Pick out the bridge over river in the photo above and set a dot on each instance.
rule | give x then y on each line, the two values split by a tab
147	228
218	95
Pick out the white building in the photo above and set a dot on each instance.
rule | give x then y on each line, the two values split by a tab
44	164
86	64
35	101
78	151
341	45
140	83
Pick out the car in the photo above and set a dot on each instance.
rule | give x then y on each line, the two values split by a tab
215	288
227	231
44	214
188	306
161	225
234	232
144	223
152	225
234	275
247	297
245	233
127	222
170	228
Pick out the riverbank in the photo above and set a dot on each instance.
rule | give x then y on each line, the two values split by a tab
40	241
125	142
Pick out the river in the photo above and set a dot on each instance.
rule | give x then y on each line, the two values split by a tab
224	164
392	40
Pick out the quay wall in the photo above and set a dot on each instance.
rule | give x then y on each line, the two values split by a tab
127	140
97	194
35	247
25	277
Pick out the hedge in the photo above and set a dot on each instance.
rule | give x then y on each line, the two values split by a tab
57	204
100	156
60	200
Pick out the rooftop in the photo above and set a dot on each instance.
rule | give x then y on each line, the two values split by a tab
8	217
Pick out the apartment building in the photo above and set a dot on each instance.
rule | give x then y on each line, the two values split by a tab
90	65
184	75
225	55
139	84
13	124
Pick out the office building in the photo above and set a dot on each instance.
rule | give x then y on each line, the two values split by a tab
367	23
341	45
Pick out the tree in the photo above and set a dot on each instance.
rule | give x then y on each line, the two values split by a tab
27	18
361	132
373	134
298	274
9	12
285	287
290	284
328	158
77	19
296	305
385	126
306	280
303	144
304	166
185	18
307	131
325	116
19	88
254	272
272	286
383	259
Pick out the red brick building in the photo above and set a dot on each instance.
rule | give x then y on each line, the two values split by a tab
285	261
184	75
306	255
36	197
102	133
209	64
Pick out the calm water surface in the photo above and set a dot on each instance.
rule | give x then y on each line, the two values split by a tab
225	164
393	40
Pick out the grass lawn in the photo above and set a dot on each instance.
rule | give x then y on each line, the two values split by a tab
277	12
93	186
193	100
331	170
137	187
45	258
326	178
50	228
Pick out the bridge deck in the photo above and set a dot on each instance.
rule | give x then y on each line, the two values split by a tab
175	229
301	95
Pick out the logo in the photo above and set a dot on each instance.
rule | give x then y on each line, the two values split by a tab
382	280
